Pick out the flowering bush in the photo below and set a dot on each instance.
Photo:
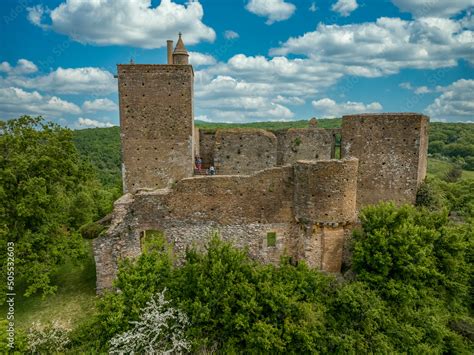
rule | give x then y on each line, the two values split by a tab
159	330
49	338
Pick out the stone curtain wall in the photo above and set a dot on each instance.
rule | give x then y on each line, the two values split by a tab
392	153
156	120
306	144
244	151
243	210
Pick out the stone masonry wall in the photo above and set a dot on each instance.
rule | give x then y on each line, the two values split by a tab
244	151
156	120
306	144
326	192
243	209
392	153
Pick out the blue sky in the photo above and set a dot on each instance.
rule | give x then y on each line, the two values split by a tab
254	60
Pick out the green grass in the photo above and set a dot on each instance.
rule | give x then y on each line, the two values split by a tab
73	302
439	168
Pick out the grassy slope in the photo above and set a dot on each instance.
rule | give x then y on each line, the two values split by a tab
73	302
439	168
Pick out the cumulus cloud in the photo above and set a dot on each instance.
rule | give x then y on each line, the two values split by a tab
329	108
231	34
23	66
124	22
289	100
15	102
62	80
432	8
227	99
456	102
345	7
200	59
273	10
417	90
385	46
313	7
89	123
99	105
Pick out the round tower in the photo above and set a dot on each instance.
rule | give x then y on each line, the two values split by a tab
180	54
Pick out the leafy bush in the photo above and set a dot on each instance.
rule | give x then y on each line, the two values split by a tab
412	284
20	339
91	230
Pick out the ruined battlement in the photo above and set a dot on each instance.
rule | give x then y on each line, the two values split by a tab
285	202
294	192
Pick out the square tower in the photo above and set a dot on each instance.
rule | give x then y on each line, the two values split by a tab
392	152
156	122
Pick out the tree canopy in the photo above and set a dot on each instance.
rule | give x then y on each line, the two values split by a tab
47	191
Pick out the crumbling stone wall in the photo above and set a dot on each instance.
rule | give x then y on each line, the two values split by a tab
244	151
156	120
392	153
306	144
243	209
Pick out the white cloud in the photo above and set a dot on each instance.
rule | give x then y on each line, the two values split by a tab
124	22
198	59
313	7
62	81
5	67
23	66
406	85
289	100
329	108
386	46
231	34
227	99
87	122
36	14
99	105
345	7
456	102
433	8
15	102
417	90
273	10
422	90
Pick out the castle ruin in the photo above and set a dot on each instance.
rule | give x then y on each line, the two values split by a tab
293	192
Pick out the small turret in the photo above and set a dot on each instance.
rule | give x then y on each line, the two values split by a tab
180	54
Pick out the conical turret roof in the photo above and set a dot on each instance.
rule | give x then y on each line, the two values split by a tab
180	48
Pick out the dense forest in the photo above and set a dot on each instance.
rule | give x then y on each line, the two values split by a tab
408	289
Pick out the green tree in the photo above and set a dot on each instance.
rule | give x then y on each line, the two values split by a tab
43	192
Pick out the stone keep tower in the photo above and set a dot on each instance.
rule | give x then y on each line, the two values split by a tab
156	121
392	151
